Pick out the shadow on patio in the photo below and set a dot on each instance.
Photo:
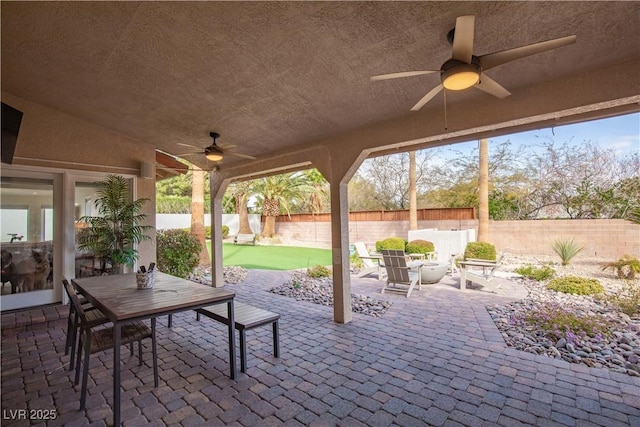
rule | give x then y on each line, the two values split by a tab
433	359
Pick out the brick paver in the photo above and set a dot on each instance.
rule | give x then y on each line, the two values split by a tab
433	359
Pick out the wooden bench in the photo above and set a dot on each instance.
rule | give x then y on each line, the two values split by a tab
246	317
245	238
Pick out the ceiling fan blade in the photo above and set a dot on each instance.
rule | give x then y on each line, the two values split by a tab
199	153
400	75
498	58
433	92
463	38
487	84
226	147
189	145
245	156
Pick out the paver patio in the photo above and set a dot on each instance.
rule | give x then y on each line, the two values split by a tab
433	359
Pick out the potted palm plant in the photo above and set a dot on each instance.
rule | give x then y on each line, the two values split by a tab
112	235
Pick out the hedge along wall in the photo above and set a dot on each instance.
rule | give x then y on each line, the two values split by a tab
603	238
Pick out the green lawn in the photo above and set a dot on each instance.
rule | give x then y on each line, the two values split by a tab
273	257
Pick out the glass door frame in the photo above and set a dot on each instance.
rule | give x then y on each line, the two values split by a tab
64	182
44	296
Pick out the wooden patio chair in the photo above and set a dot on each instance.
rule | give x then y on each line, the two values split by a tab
401	277
480	272
371	264
94	316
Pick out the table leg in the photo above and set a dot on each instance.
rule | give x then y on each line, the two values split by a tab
232	340
243	351
276	340
154	351
116	373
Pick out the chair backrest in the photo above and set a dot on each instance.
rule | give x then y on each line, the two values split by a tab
363	253
495	268
73	297
501	256
361	249
396	265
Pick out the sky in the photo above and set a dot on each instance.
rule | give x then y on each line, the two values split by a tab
621	133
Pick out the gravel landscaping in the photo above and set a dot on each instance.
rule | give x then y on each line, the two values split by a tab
231	275
619	350
320	291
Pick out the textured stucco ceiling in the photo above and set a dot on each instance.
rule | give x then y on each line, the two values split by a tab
272	76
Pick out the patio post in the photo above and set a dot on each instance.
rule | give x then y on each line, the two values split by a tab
338	168
217	186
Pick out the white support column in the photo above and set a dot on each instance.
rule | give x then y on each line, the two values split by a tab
340	251
338	170
218	187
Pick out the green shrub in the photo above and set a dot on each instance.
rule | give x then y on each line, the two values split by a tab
318	271
536	273
391	243
626	267
567	249
627	300
173	204
480	250
419	247
576	285
355	260
177	252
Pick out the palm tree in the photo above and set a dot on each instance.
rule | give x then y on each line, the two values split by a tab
241	192
483	191
197	213
280	192
413	198
318	199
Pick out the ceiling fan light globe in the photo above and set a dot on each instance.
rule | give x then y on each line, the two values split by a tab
462	80
214	157
457	75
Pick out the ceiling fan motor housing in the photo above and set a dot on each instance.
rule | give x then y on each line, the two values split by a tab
458	75
213	153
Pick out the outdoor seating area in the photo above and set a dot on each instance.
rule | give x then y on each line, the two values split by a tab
456	371
245	239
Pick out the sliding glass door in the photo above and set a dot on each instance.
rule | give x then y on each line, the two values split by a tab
40	212
27	216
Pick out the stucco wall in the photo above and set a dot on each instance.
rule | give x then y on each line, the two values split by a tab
52	139
600	237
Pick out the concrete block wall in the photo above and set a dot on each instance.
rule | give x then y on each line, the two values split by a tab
318	231
602	238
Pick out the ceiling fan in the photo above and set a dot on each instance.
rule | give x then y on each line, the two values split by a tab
465	70
215	152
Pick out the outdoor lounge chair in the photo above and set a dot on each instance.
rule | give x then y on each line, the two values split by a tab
400	276
371	264
481	272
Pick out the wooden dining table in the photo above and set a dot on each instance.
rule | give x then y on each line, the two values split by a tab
119	298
